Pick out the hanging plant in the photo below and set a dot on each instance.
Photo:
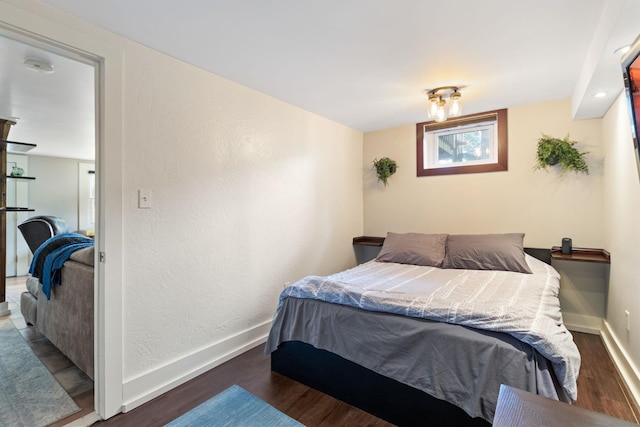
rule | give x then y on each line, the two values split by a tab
385	167
555	151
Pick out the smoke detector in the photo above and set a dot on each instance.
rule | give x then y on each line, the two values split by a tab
38	65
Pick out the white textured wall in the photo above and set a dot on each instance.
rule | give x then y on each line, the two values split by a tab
544	205
247	193
622	231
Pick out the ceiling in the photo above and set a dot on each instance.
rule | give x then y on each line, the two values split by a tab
55	110
363	63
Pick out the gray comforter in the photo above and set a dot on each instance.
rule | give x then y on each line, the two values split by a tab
465	367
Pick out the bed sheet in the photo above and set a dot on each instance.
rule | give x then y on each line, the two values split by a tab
458	364
455	334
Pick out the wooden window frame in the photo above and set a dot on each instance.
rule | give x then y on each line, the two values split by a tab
502	131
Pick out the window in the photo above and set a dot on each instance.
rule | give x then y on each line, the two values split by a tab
468	144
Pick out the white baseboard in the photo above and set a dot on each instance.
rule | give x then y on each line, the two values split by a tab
629	372
582	323
144	388
150	385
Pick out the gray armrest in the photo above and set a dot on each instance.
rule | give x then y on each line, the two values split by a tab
67	318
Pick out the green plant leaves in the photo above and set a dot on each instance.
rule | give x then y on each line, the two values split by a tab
385	167
552	151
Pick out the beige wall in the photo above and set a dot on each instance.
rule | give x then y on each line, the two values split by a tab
598	210
243	200
544	205
622	234
247	193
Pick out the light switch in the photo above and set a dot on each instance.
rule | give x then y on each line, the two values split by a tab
144	199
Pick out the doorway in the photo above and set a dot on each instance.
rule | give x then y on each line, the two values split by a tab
57	111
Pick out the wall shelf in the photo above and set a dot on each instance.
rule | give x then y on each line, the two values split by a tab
16	209
25	178
368	241
14	147
18	147
367	248
601	256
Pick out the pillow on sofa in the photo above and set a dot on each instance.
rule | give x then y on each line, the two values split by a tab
414	248
486	252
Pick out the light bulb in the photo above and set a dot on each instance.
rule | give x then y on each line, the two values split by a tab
441	114
433	105
455	106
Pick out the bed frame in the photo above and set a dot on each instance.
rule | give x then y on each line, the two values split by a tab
363	388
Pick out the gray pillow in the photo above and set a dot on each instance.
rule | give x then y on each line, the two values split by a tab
486	252
414	248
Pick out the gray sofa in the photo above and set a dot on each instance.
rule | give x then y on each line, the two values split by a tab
67	318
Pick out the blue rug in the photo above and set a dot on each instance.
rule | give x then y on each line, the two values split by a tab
234	407
29	394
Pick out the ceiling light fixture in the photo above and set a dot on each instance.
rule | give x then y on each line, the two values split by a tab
38	65
438	102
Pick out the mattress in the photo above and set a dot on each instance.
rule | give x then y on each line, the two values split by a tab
460	363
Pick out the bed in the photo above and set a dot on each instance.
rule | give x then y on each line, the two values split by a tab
429	330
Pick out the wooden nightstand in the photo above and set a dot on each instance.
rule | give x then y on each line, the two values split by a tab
367	247
600	256
583	286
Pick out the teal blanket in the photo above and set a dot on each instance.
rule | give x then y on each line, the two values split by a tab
51	255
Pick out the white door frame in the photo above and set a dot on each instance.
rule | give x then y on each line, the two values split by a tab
32	22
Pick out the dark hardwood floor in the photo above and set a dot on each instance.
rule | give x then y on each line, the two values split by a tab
599	388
